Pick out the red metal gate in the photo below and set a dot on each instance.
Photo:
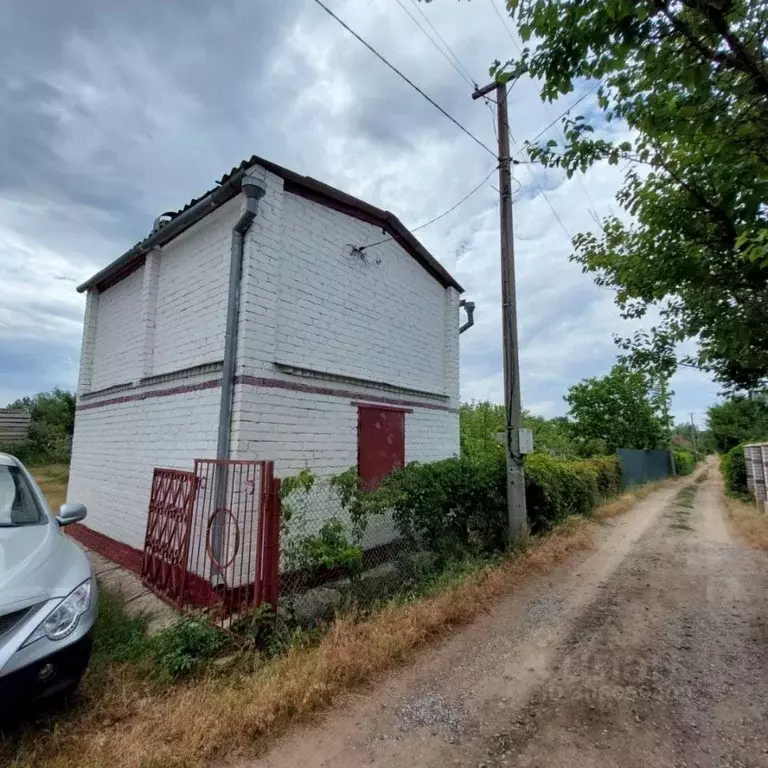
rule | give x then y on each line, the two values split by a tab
166	543
212	537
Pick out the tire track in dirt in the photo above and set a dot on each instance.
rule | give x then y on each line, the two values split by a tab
649	651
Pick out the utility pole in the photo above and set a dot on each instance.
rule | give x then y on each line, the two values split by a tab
693	435
516	511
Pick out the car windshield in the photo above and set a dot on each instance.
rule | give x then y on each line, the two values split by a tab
18	505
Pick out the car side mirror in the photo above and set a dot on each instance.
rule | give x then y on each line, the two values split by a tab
71	513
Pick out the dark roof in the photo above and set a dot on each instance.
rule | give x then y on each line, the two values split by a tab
305	186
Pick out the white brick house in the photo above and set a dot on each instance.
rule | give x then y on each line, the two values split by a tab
325	332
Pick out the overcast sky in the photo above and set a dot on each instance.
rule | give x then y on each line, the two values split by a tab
114	112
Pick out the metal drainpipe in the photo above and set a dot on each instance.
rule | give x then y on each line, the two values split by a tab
254	189
469	308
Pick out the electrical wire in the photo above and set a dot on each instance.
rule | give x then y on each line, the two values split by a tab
579	175
504	22
466	78
564	113
545	196
439	216
410	82
471	79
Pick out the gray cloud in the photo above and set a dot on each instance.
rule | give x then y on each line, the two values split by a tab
114	112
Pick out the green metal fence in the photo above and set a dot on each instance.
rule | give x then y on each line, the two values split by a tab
638	467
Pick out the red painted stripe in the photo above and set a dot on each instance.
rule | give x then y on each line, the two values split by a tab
257	381
116	551
180	390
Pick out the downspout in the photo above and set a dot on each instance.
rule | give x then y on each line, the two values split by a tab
253	189
469	308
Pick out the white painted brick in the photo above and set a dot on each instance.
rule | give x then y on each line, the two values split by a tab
305	302
118	336
116	448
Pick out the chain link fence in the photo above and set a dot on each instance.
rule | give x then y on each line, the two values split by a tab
339	554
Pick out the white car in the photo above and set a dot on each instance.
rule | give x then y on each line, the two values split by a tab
48	601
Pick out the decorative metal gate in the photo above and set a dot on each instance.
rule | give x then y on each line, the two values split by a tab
212	537
166	544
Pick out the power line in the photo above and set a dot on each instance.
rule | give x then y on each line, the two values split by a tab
439	216
549	112
410	82
504	22
442	40
564	113
439	49
545	195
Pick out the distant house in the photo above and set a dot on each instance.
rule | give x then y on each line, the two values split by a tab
344	355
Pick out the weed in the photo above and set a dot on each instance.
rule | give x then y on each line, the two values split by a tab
134	721
682	526
182	724
751	525
626	501
685	496
702	477
184	647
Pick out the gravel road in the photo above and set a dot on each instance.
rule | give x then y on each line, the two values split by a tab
651	650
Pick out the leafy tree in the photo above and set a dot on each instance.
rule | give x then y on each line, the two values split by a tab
51	427
689	78
624	409
481	422
738	420
54	409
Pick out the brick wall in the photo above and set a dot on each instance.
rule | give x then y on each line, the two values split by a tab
117	333
192	293
116	447
308	304
341	325
380	317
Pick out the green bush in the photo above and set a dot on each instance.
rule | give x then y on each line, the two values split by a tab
185	646
452	507
734	470
28	452
685	461
555	489
458	506
608	474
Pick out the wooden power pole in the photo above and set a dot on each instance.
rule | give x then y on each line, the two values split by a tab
516	510
693	436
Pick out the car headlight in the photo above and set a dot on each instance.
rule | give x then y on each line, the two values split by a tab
65	616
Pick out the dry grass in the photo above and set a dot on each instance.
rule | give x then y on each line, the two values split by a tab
626	501
131	726
751	525
186	726
52	480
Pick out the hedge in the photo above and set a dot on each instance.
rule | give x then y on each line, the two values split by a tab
458	505
685	461
734	469
555	489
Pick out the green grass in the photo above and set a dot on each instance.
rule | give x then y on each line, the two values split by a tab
681	508
685	497
702	477
52	479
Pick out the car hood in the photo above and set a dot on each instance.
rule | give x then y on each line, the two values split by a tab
37	562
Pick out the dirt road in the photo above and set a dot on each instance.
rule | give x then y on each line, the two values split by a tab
650	651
